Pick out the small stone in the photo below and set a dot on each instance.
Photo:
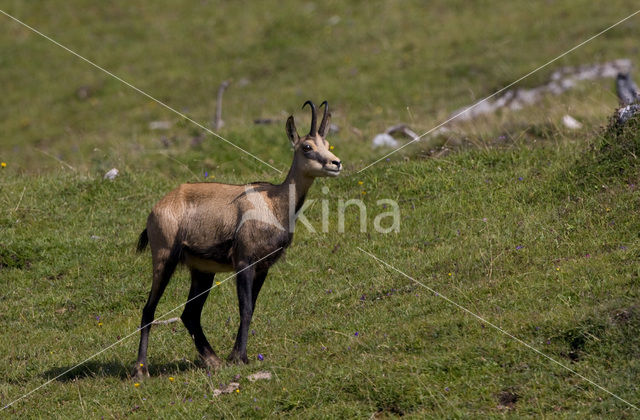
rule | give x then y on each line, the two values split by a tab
571	123
262	375
159	125
384	139
111	174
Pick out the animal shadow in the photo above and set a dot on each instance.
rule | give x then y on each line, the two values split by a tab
113	369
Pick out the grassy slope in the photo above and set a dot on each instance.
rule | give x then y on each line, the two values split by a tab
562	292
571	290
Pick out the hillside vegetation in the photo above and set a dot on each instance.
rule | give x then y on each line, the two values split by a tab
532	226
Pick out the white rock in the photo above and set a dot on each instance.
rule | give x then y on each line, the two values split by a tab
384	139
226	389
111	174
259	375
571	123
627	112
333	20
159	125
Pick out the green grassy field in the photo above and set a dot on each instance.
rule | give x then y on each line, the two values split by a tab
537	233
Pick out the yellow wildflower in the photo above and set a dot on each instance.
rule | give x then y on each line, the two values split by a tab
360	182
171	378
3	164
136	384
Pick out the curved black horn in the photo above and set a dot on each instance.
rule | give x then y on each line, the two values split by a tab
312	131
323	123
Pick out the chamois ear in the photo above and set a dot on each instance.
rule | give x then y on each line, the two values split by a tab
292	133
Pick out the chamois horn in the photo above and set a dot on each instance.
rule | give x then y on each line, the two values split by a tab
323	124
312	131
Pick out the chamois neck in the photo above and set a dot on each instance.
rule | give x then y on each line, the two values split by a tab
296	179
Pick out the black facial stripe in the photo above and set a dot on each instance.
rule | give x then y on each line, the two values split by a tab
315	156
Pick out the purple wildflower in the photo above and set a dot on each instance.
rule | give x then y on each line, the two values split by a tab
520	178
356	333
446	388
519	247
260	357
206	174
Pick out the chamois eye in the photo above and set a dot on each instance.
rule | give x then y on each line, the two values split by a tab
307	147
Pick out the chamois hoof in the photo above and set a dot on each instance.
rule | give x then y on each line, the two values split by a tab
213	362
140	372
237	359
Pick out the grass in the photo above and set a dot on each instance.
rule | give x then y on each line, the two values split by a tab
537	234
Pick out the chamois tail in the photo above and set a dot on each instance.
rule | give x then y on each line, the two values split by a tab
143	241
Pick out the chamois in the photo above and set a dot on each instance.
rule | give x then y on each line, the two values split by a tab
213	227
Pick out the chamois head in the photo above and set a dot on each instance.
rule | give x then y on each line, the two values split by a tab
312	152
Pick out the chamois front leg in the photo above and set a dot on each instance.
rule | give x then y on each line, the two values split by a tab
244	284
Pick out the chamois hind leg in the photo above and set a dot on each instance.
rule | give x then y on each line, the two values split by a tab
245	276
163	269
200	286
258	281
